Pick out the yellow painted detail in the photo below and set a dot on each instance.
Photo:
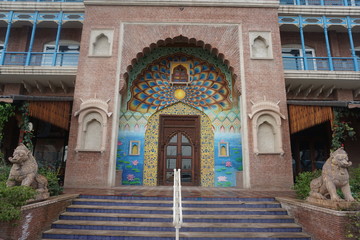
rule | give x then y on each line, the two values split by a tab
179	94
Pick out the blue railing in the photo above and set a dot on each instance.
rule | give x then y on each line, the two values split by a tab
321	63
322	2
41	0
40	59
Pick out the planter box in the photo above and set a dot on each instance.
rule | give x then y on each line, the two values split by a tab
321	223
35	218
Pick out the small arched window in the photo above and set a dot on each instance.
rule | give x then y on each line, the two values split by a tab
180	74
67	53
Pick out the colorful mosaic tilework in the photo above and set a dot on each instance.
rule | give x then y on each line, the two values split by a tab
165	51
207	88
151	145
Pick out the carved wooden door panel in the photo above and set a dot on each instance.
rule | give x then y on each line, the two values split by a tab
179	149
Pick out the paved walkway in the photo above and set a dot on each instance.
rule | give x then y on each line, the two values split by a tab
186	192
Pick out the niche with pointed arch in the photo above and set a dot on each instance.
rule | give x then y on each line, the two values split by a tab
101	41
260	45
92	131
266	122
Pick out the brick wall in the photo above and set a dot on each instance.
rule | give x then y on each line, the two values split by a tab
321	223
35	218
137	29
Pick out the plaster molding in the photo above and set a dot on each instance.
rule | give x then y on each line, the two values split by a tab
308	206
43	6
92	109
187	3
266	113
324	79
319	10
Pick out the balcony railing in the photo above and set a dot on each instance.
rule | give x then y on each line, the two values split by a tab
322	2
39	59
321	63
41	0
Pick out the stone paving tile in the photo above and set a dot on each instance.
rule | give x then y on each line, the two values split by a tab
186	192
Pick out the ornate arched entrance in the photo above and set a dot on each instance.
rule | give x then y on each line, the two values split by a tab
206	152
173	83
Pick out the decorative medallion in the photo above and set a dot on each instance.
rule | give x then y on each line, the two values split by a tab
180	77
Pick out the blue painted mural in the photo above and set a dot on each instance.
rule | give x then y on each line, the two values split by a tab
206	85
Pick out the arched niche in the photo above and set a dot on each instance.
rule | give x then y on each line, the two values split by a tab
101	41
92	119
101	46
266	122
260	45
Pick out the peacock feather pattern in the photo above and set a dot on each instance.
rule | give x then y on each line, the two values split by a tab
207	88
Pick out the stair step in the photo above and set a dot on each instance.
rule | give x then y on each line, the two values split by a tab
99	217
218	204
222	199
185	225
108	234
191	227
153	208
168	218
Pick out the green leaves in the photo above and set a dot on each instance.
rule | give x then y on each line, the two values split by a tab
6	111
302	183
353	227
25	126
12	198
341	127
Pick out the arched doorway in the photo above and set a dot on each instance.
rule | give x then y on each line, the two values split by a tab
179	148
186	83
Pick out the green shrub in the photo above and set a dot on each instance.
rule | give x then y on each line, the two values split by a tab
53	181
353	228
4	172
355	182
12	198
302	183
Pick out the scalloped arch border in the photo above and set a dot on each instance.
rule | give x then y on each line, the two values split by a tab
140	64
152	141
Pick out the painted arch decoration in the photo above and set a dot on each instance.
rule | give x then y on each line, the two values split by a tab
187	80
155	88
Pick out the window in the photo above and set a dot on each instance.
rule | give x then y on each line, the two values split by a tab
67	54
293	58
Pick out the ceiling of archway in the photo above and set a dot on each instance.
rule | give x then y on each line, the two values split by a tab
208	86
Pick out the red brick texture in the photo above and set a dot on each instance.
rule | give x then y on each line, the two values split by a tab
35	219
321	223
137	28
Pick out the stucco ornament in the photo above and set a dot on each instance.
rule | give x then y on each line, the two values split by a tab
24	172
334	176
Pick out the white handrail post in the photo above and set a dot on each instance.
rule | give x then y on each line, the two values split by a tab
177	205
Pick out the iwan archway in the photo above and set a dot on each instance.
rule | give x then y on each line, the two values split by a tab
180	85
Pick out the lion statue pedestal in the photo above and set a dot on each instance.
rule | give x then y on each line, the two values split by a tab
24	172
334	176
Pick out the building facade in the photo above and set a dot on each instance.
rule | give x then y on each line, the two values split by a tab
235	94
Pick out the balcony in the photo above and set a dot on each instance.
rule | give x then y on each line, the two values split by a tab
321	63
59	59
321	2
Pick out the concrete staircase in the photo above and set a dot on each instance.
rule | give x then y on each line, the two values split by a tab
120	217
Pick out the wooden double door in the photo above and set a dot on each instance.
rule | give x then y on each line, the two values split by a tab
179	148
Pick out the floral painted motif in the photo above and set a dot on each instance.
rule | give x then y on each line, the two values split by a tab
135	162
130	177
228	164
222	178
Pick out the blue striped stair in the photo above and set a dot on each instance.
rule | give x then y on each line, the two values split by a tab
123	217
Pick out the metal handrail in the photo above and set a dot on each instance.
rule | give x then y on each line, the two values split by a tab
177	204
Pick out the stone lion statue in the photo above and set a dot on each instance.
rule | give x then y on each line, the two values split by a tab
334	175
24	172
